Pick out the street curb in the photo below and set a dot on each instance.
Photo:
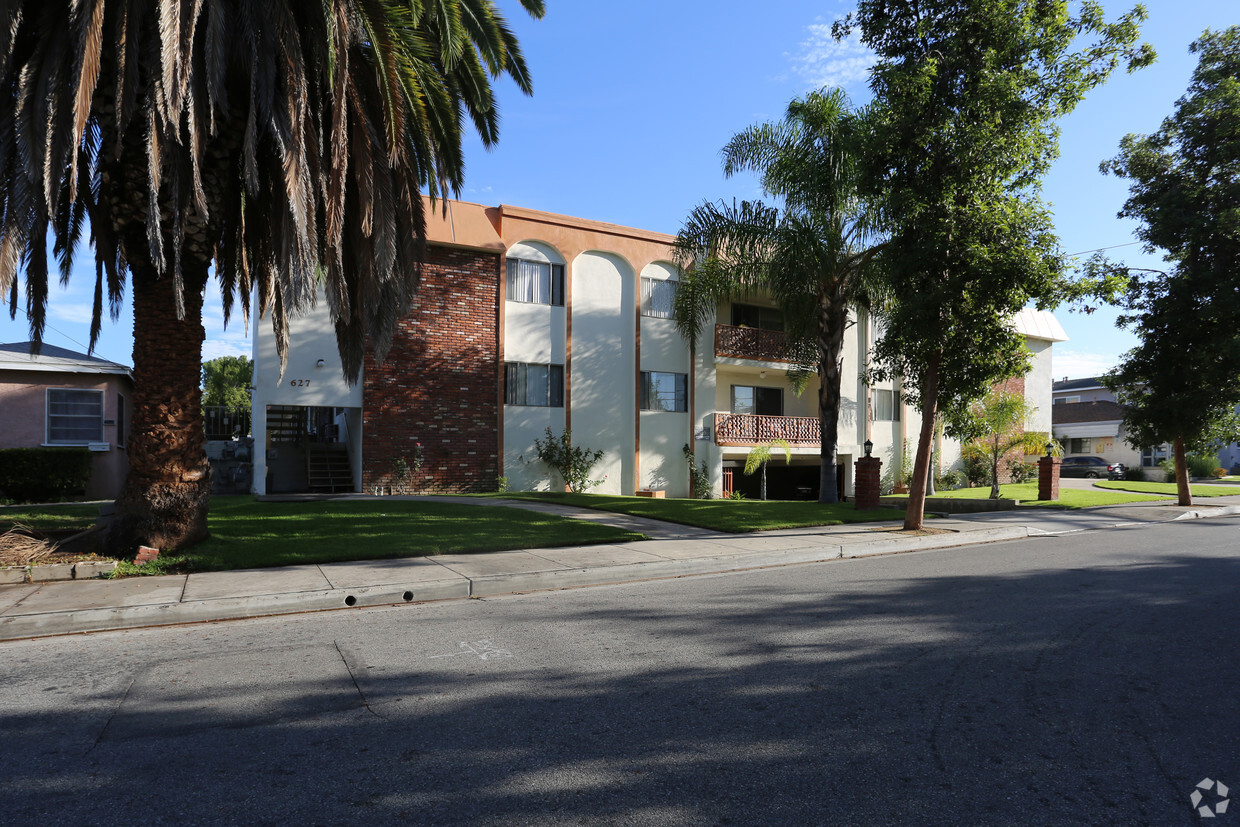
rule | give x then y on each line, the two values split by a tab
77	621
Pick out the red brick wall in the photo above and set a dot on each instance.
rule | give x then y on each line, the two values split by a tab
1016	385
437	385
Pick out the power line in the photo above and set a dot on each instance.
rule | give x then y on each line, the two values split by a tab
1100	249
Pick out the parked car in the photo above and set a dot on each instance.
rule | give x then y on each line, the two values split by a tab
1116	471
1093	468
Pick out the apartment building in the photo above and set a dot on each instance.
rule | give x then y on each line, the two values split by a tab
527	321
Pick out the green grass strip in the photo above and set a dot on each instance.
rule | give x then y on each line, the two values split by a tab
733	516
1168	488
247	534
1027	494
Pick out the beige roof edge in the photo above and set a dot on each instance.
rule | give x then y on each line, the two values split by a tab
465	225
1039	324
527	214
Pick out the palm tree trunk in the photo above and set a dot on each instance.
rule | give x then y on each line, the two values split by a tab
994	468
167	491
833	317
1182	488
915	515
763	482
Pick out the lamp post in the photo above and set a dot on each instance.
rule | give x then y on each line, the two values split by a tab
869	446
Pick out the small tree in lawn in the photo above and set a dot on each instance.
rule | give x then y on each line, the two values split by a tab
571	462
760	455
996	426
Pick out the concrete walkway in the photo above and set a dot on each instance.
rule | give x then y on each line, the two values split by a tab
37	609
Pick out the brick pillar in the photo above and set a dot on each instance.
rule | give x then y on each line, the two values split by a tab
865	486
1048	478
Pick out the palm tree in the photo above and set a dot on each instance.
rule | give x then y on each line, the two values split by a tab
759	456
280	144
998	423
813	255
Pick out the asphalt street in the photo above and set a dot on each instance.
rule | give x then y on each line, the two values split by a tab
1084	678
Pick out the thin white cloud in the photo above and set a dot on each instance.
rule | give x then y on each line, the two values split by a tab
70	312
1079	364
821	60
214	348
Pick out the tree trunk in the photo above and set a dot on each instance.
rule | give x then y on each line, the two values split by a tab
915	515
762	482
994	469
832	317
1182	488
167	491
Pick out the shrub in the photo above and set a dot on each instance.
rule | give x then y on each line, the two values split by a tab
571	462
1219	473
976	468
1201	465
699	477
1134	473
1021	471
31	475
949	480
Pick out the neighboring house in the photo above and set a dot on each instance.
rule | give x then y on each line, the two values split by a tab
61	397
527	320
1089	422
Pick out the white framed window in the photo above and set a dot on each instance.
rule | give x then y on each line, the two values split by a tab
1064	400
665	391
534	385
74	416
887	405
1150	457
1080	445
120	420
658	296
535	282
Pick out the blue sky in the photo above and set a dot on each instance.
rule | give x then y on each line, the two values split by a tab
633	101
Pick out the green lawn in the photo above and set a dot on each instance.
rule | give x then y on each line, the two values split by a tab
248	534
1027	494
60	517
1168	488
734	516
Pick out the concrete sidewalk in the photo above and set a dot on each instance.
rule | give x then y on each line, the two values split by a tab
38	609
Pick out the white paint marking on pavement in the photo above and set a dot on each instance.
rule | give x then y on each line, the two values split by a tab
482	648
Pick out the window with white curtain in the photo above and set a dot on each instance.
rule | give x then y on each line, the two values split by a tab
535	282
540	386
886	406
74	416
658	296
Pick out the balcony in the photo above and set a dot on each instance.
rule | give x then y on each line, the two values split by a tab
751	343
751	429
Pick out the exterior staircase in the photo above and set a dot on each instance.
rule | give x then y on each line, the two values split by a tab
286	423
327	467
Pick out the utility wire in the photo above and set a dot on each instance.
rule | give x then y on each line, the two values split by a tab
1100	249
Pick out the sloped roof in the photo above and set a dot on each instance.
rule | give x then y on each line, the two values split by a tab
1068	412
1076	384
1039	324
17	356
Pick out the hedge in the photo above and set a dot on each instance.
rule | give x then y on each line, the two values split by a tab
31	475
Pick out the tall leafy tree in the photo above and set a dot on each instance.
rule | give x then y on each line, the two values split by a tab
812	254
967	94
226	381
1181	384
277	144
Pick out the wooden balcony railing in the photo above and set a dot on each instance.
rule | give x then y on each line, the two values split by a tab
751	343
748	429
